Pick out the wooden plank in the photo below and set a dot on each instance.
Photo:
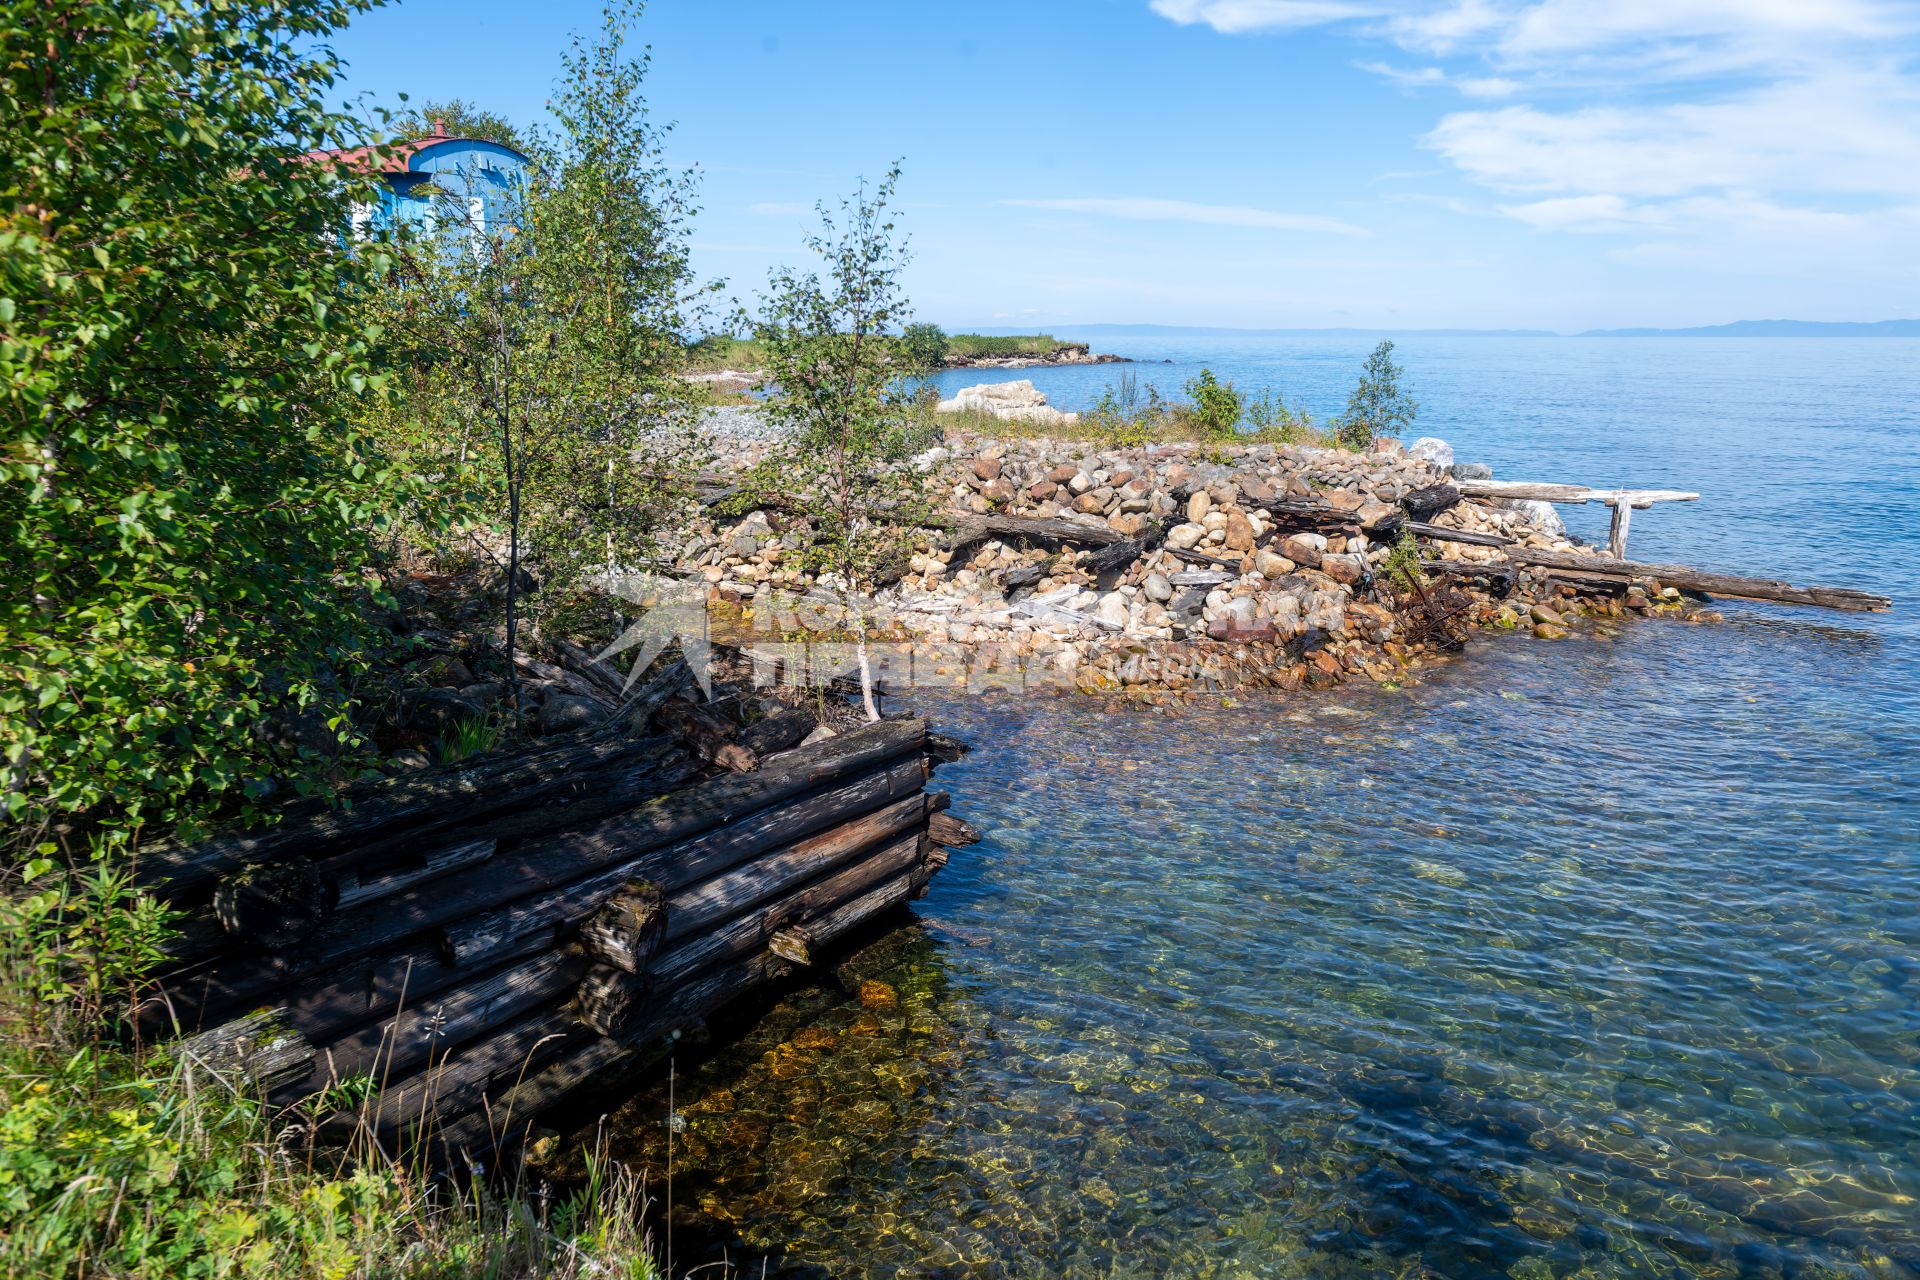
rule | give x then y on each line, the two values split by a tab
1466	537
1529	491
557	860
363	884
1719	584
745	933
176	870
470	938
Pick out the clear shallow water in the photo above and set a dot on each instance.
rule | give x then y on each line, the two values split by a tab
1591	958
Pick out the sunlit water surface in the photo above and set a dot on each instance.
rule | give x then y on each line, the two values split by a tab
1589	958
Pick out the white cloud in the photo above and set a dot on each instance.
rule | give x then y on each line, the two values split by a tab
1435	78
1150	209
1234	17
1857	136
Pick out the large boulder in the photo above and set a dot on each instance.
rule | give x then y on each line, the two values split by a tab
1012	401
1432	449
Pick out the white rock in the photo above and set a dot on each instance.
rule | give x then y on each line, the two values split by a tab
1544	517
1184	536
1158	588
1113	608
1432	449
1016	401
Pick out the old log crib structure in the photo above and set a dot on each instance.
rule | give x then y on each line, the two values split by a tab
460	951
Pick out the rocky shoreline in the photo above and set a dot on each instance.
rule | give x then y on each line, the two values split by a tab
1171	567
1065	353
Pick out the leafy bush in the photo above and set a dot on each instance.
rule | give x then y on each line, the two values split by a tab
1035	346
1124	417
925	345
186	504
1377	407
1216	406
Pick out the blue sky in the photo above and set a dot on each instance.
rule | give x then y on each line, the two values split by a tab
1557	164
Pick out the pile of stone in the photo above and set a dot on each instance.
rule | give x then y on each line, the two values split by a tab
1261	561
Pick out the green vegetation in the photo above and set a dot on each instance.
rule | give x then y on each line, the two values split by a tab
926	345
220	427
712	354
461	119
545	364
1378	407
849	419
1215	406
1032	346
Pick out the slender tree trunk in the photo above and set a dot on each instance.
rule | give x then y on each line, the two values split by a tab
866	669
513	528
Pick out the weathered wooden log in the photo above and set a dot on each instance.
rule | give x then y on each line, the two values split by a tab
944	828
432	1027
706	735
1021	577
461	1082
577	685
1198	557
760	879
964	531
804	943
257	1053
1529	491
779	732
582	663
275	904
611	1000
1719	584
174	870
714	808
1466	537
1430	501
748	932
471	937
502	1114
634	713
364	884
627	930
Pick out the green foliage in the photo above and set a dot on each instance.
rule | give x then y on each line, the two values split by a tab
461	119
1275	421
925	345
471	737
111	1169
185	505
718	351
1216	406
1377	407
1124	416
1032	346
849	419
544	363
1403	562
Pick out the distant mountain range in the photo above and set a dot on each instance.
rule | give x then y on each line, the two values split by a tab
1776	329
1738	329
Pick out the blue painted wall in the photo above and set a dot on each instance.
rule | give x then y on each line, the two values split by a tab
483	179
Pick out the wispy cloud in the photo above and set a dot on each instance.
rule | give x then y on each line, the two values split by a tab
1150	209
1657	119
1234	17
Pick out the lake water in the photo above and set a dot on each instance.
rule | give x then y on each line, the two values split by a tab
1589	958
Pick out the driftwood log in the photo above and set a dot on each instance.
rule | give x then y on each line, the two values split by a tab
705	734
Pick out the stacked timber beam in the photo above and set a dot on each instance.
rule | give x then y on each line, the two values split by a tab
462	950
1613	571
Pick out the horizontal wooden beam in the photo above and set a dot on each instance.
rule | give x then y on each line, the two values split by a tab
1528	491
1718	584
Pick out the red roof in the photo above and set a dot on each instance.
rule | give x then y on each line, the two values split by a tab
393	158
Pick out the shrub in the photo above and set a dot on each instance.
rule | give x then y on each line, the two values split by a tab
1216	406
1377	407
926	346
